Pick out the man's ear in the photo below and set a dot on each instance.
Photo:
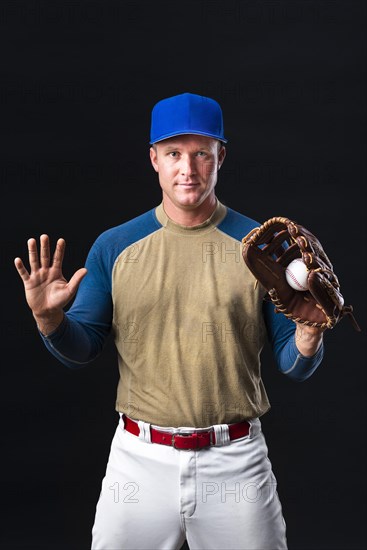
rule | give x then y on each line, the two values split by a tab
221	156
153	158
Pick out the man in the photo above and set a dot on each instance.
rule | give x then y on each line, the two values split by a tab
188	459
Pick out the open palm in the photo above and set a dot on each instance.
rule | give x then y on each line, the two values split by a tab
46	289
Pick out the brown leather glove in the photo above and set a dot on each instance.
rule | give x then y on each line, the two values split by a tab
267	251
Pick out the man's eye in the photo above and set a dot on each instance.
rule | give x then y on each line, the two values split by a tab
201	154
173	154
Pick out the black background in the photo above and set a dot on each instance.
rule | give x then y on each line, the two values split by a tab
78	83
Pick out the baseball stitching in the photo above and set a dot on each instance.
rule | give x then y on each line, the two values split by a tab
295	280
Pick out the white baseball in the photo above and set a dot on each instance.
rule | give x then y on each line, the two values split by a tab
296	274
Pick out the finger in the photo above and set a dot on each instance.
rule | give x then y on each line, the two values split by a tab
33	254
76	280
45	251
21	269
59	253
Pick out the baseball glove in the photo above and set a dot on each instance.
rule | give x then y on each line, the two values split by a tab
267	251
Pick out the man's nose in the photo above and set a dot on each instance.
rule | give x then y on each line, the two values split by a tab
187	165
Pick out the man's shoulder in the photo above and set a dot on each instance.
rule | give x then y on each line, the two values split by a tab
114	240
237	225
133	229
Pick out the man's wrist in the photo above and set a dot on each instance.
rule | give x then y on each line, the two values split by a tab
308	339
48	324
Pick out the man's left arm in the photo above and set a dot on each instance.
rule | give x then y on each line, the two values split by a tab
298	349
308	339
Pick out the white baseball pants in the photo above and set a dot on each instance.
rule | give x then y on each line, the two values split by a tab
153	497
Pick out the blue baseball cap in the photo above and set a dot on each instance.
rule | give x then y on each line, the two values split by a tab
186	114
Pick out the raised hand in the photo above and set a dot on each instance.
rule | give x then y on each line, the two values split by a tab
46	289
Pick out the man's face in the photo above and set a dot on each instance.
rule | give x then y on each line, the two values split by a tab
187	168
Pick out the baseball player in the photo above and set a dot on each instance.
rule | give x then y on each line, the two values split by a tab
188	460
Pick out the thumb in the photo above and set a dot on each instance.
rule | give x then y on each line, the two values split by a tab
76	280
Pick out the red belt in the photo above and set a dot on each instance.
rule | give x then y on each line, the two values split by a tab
187	441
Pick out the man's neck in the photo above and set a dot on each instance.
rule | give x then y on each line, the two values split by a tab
190	217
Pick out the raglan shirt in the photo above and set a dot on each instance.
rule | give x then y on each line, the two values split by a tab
188	320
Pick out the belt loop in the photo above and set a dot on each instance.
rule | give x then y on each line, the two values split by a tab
221	434
144	433
122	422
255	427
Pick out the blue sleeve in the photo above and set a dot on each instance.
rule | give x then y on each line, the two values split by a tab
83	333
87	324
281	334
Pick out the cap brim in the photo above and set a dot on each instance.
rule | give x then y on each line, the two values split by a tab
193	132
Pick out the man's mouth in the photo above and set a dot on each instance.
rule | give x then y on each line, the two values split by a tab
187	183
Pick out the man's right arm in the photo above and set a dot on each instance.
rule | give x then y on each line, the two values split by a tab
76	336
83	331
